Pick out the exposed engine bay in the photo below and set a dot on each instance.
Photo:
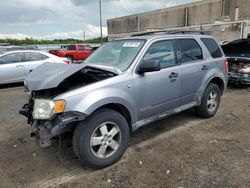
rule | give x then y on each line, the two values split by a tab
45	130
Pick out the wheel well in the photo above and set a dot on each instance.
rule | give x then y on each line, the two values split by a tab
122	110
218	81
69	56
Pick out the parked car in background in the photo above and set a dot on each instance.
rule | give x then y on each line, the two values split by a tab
8	48
74	52
16	65
238	56
124	85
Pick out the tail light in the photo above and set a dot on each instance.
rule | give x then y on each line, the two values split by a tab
66	61
226	66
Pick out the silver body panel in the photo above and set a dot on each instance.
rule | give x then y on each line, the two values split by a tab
153	95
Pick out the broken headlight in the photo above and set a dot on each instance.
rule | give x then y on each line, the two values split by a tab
45	109
245	70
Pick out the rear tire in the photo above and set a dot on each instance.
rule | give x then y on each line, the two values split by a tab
101	140
70	58
210	101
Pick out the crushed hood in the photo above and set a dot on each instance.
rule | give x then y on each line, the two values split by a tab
50	75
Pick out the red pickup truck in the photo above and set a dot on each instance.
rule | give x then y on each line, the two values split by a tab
74	52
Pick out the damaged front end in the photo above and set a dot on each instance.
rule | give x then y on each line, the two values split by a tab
47	116
45	130
239	71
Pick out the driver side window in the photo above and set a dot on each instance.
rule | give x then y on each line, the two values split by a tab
163	52
11	58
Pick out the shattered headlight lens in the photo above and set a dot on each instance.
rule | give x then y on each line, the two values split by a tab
43	109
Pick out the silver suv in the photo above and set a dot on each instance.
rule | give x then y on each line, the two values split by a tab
124	85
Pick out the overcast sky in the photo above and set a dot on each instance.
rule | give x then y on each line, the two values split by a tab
50	19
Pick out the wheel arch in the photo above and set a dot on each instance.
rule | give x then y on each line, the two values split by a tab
218	81
120	108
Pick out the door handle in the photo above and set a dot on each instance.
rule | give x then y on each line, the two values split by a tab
204	68
173	75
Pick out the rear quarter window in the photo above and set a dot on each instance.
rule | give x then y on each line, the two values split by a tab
71	47
212	47
34	56
188	50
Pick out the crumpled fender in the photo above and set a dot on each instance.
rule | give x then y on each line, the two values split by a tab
87	103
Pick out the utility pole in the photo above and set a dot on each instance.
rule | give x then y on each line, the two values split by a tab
84	35
100	6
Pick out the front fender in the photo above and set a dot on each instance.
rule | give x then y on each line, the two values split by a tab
87	103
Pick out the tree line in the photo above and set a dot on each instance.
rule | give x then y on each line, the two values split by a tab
31	41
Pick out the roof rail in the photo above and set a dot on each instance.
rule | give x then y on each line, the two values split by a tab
164	32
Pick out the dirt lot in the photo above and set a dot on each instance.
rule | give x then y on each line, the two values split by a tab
181	151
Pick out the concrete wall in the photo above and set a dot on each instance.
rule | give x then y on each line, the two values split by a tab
150	20
244	8
202	12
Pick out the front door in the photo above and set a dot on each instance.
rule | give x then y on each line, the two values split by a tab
159	91
11	68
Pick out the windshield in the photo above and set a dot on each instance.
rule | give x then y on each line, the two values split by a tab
118	54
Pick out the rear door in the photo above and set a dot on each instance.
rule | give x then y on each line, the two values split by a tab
11	68
81	52
89	51
84	52
193	67
33	60
216	59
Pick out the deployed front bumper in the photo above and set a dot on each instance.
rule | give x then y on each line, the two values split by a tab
44	130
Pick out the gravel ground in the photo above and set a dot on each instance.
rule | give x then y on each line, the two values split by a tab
180	151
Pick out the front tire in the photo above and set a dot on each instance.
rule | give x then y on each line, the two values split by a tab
210	101
101	140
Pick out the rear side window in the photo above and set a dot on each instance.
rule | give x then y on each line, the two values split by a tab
212	47
72	47
81	48
88	48
30	56
188	50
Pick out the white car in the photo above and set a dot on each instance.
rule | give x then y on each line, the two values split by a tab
16	65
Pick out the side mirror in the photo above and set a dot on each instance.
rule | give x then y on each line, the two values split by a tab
149	66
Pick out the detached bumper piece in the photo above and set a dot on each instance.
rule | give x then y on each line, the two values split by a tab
27	112
45	130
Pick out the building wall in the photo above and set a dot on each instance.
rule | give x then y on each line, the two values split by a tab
244	8
202	12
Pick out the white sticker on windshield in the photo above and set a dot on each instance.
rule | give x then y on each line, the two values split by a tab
131	44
